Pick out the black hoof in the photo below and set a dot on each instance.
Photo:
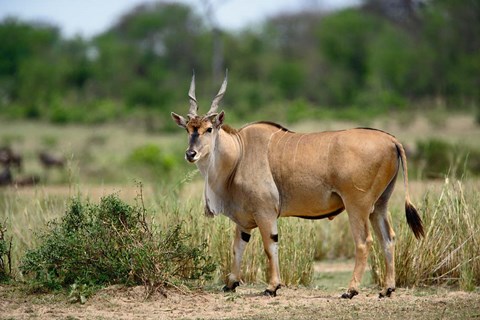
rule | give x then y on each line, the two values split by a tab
270	293
350	294
232	289
388	294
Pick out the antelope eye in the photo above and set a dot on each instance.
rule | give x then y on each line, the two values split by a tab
209	130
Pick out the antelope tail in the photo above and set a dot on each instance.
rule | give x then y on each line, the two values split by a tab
413	218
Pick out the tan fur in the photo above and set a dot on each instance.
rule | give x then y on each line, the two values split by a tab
264	171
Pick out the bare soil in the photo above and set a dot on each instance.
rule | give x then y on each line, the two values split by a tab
247	303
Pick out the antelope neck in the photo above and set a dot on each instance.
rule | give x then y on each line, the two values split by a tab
224	155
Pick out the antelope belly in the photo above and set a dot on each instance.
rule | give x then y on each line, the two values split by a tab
312	206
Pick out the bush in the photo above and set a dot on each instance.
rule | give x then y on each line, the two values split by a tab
60	115
298	110
149	160
437	158
113	243
101	111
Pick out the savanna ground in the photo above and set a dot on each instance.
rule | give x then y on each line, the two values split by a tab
321	301
100	163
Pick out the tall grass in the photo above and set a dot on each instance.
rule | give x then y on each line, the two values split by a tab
23	215
450	252
334	239
296	246
27	215
5	255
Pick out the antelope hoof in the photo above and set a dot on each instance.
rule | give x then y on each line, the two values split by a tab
231	289
349	294
271	293
387	294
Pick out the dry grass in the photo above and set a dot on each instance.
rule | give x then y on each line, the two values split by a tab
450	252
297	244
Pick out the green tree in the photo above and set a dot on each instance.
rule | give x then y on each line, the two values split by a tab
451	28
24	54
156	47
344	40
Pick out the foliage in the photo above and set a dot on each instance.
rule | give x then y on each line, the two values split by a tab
150	160
436	158
387	57
450	251
113	243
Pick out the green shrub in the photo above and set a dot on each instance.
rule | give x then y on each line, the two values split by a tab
298	110
101	111
289	77
59	115
383	99
149	155
150	160
437	158
113	243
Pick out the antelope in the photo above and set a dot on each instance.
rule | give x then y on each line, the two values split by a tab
49	160
10	158
264	171
5	177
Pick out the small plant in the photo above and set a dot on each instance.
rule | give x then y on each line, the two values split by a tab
113	243
80	293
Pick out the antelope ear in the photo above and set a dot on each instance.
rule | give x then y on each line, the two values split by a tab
179	120
218	119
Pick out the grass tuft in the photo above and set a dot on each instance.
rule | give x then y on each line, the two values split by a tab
450	252
5	255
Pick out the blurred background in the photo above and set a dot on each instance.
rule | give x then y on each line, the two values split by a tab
86	88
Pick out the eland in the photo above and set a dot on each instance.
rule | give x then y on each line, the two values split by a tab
263	171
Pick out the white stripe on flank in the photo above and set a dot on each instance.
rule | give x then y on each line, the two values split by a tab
281	138
270	139
296	149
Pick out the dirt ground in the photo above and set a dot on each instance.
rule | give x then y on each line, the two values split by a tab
247	303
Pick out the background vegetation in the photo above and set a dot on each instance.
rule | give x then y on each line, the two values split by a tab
378	56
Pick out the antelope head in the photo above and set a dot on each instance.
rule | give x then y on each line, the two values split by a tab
201	129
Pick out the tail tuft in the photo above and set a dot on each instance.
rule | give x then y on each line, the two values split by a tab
414	220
